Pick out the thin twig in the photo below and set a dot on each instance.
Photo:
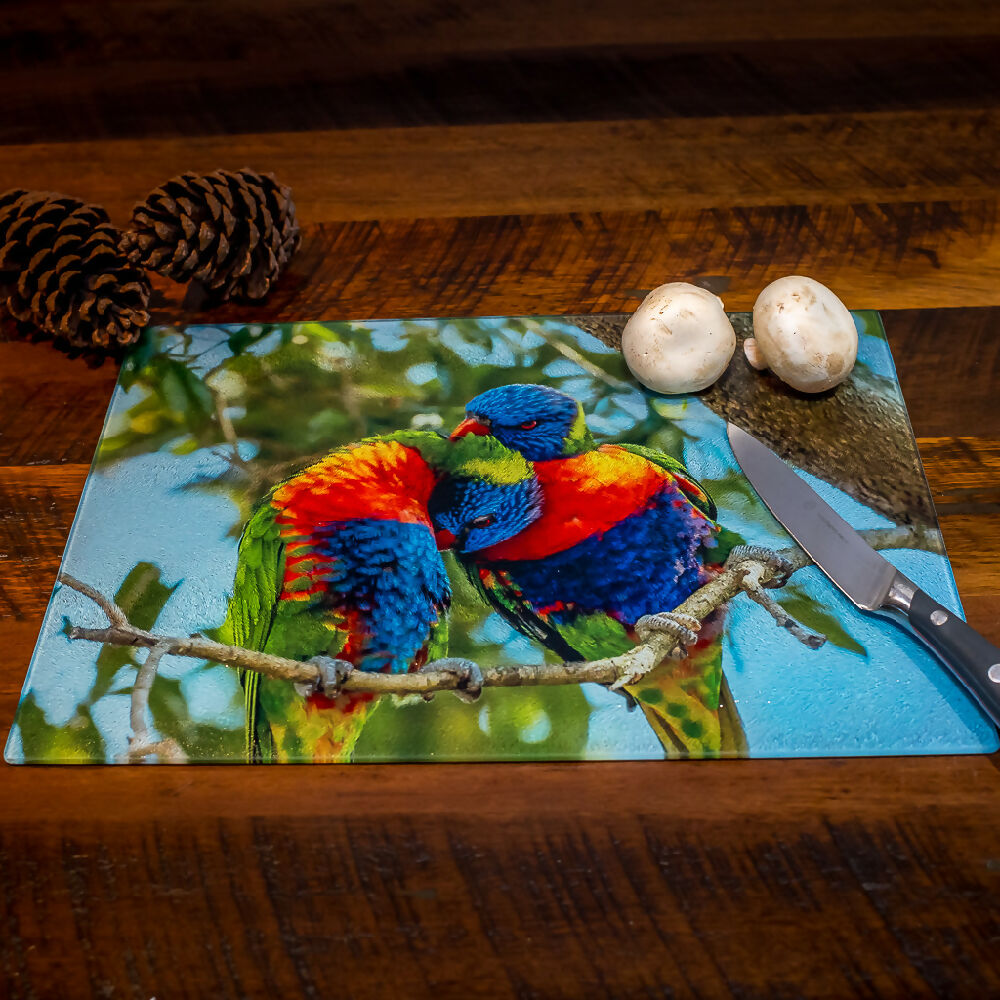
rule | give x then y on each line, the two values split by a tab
228	430
629	666
572	354
140	746
753	588
140	691
115	615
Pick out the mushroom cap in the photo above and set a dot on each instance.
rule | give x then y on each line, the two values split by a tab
679	339
805	333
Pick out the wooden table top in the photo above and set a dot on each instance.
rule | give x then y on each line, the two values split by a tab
465	158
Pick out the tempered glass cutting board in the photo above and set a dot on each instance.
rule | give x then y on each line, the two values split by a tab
206	420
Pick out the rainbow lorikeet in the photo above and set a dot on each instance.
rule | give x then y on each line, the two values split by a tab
340	565
625	533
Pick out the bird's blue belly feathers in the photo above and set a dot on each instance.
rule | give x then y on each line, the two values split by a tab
648	562
392	575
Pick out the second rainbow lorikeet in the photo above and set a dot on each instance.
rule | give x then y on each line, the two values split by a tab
625	534
339	564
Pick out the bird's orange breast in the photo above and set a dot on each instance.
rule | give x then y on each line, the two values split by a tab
583	496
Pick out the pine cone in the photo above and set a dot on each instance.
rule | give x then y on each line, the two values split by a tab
61	270
232	231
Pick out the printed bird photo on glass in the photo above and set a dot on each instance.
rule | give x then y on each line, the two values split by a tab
477	539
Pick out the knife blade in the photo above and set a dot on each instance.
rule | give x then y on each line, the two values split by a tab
864	576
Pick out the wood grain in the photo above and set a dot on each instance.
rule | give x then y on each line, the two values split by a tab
964	473
641	198
885	256
610	166
77	69
392	28
539	888
55	406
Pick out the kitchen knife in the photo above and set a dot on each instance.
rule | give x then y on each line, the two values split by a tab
865	577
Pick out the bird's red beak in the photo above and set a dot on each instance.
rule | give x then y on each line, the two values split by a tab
444	538
470	426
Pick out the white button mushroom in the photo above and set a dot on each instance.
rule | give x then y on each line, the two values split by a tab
679	339
803	333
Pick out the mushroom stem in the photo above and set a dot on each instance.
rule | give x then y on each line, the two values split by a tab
752	351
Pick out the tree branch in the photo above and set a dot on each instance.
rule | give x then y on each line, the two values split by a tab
754	589
115	615
572	354
748	573
140	745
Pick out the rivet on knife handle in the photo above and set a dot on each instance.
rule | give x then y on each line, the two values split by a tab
972	658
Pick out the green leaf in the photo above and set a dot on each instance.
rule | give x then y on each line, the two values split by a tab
201	742
138	357
185	446
808	612
731	490
870	323
77	742
143	594
540	723
321	331
176	402
240	339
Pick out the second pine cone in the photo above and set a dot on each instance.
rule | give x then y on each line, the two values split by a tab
233	231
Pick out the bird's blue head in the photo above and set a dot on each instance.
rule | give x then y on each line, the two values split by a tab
486	495
539	422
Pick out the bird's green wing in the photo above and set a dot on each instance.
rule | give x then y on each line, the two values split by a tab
502	593
687	702
690	486
438	638
257	618
260	569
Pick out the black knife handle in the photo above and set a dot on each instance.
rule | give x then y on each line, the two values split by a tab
975	661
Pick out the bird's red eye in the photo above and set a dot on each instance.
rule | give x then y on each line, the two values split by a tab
483	521
529	425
